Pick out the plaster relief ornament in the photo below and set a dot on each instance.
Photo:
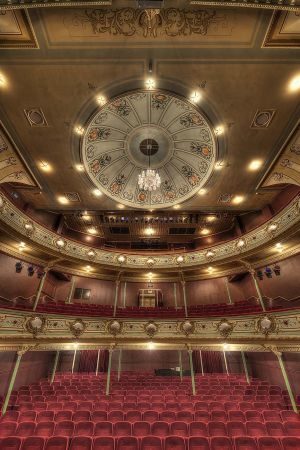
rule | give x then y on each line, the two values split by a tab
266	325
225	328
1	203
187	327
140	127
35	324
29	228
91	254
77	327
151	328
114	327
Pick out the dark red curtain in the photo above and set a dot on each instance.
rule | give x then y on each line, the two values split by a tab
212	362
88	361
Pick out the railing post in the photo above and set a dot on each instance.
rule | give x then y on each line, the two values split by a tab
286	380
124	294
40	288
190	352
184	298
175	295
180	364
20	353
119	364
74	357
228	291
245	367
72	289
225	360
116	297
97	365
252	272
201	362
54	367
108	372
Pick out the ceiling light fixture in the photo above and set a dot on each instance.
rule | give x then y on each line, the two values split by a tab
79	130
219	165
61	243
202	191
179	259
121	259
97	193
238	199
79	167
210	269
149	179
3	80
294	84
255	164
279	247
151	346
211	218
150	84
45	166
22	246
149	231
101	100
62	199
176	207
219	130
205	231
120	206
88	268
195	97
92	230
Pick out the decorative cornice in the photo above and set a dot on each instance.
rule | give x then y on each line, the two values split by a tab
285	220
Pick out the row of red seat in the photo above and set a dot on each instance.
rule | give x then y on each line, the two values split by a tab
70	428
150	416
149	443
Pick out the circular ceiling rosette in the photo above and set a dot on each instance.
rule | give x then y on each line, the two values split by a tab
114	148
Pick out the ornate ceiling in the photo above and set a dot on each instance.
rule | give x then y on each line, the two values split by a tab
114	148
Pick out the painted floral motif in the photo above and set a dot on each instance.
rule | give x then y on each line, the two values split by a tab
156	198
191	175
103	179
167	187
101	118
183	190
201	150
191	119
127	195
121	107
203	167
90	152
286	163
99	163
3	145
295	149
137	96
159	101
142	196
278	176
204	135
116	185
98	134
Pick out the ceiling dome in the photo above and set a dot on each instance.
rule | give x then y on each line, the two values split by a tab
119	137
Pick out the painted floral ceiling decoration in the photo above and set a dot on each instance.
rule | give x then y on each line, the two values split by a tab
183	149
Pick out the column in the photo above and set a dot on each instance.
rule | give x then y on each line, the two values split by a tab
184	298
245	367
286	380
124	294
252	272
175	296
225	360
12	381
54	367
180	364
71	291
228	291
190	352
116	297
108	372
40	288
119	364
97	365
74	357
201	362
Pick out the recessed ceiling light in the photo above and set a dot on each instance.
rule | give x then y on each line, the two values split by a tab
279	247
219	165
176	207
120	206
219	130
22	246
79	130
92	230
209	254
210	269
88	268
202	191
294	84
180	259
97	193
45	166
238	199
101	100
150	275
211	218
195	97
205	231
79	167
62	199
151	346
86	216
255	164
121	259
3	80
150	84
60	243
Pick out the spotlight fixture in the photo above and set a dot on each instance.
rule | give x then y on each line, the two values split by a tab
97	193
205	231
294	84
255	164
272	227
88	268
101	100
3	80
219	130
19	267
225	346
121	259
176	207
79	167
60	243
30	271
202	191
149	231
240	243
45	166
259	274
150	262
210	254
279	247
268	272
62	199
79	130
150	84
210	269
219	165
277	269
22	246
195	97
179	259
237	199
92	230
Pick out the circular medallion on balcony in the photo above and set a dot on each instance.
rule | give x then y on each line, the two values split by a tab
187	327
141	129
151	328
114	327
266	325
35	324
225	328
77	327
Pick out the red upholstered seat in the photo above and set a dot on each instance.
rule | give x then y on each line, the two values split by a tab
256	429
81	443
80	416
220	443
290	443
63	415
167	416
10	443
174	443
103	443
97	416
64	428
198	443
217	429
245	443
44	429
292	428
198	429
122	429
45	416
185	416
33	443
10	416
235	429
133	416
268	443
115	416
288	416
202	416
151	443
84	428
160	429
253	416
141	429
25	429
7	428
127	443
179	429
150	416
236	416
275	429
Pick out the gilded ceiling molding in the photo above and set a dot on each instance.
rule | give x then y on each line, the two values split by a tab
12	167
71	250
291	5
274	328
21	4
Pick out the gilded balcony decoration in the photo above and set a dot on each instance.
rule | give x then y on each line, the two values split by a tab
151	328
114	327
77	327
35	324
187	327
225	327
267	325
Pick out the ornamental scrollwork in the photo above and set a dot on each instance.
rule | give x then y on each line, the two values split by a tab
114	327
266	325
151	328
77	327
35	324
187	327
225	327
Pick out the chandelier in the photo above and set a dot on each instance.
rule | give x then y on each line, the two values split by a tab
149	179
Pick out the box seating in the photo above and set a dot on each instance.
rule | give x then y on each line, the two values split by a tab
145	412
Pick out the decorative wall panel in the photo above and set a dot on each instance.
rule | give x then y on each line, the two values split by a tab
284	30
16	30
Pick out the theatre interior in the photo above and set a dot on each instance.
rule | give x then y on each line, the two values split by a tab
149	224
